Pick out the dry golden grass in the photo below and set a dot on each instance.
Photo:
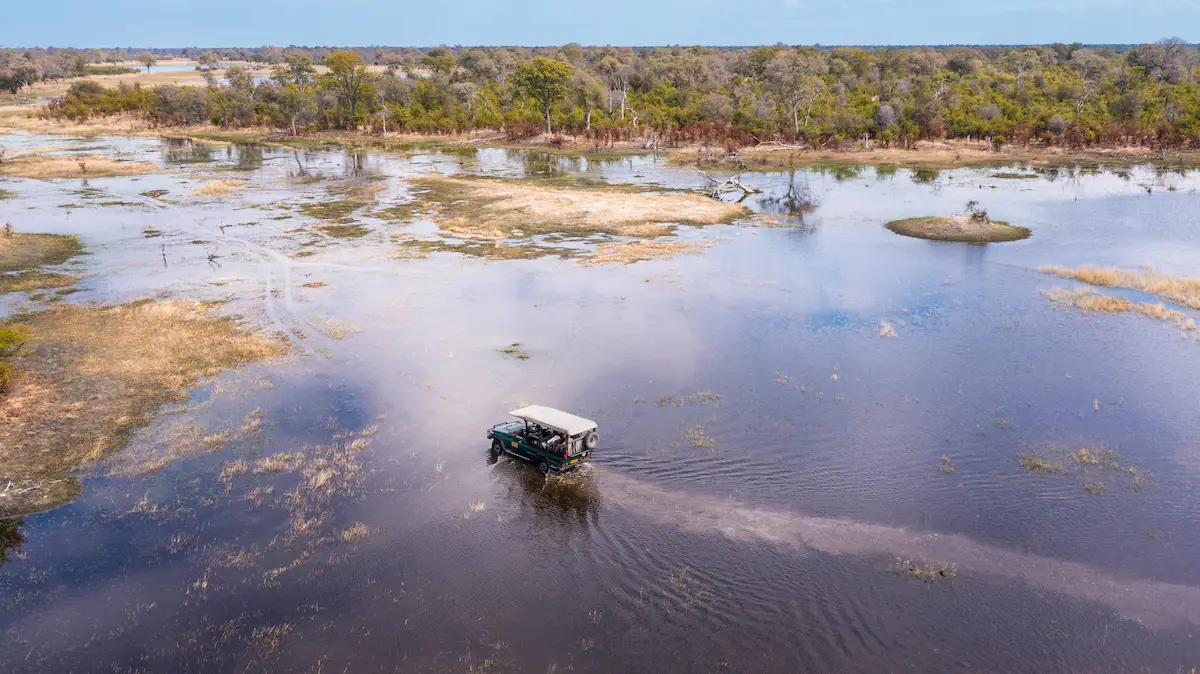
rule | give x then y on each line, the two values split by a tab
277	463
91	375
640	251
356	533
78	166
215	188
1087	300
496	208
1180	290
24	251
962	229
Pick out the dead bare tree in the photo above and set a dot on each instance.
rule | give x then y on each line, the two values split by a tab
718	187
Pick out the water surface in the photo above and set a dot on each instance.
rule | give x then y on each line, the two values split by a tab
767	551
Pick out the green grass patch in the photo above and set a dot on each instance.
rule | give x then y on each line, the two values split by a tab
331	210
25	251
958	229
33	279
343	231
514	350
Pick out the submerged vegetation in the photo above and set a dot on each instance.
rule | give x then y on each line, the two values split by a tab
89	375
793	97
641	251
514	350
1095	467
921	570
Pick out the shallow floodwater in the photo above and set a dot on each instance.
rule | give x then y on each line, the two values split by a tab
766	456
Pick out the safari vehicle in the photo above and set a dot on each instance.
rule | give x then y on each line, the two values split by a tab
554	440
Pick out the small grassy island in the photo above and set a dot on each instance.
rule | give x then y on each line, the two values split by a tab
975	227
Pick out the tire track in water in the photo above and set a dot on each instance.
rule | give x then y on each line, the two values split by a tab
1151	603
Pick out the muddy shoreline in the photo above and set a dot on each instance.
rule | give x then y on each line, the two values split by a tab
940	154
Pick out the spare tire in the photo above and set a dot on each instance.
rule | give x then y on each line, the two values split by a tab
591	440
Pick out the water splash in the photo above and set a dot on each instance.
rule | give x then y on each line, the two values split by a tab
1151	603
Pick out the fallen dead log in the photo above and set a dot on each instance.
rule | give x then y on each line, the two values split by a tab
718	187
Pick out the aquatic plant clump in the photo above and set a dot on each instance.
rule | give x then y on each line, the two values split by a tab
642	251
961	229
925	571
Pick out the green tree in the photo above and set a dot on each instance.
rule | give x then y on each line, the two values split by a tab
297	68
147	59
440	62
208	60
545	81
795	79
350	82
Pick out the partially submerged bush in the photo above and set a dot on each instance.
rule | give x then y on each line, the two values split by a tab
11	339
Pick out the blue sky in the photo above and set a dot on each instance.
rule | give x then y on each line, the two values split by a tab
180	23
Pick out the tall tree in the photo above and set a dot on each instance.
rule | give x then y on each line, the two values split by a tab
795	78
545	81
208	60
1021	61
440	61
297	68
350	82
147	59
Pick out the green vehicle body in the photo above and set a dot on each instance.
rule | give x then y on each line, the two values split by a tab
550	449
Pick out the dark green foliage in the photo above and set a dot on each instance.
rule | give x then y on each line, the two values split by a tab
1055	95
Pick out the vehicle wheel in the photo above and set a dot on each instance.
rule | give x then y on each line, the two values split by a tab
591	441
544	467
497	449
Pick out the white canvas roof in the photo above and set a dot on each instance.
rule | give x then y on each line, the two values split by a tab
558	420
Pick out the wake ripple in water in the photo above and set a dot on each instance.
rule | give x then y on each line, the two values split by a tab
1151	603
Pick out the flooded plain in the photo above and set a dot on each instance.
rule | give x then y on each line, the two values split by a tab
819	439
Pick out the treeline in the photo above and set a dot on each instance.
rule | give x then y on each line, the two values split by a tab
1147	95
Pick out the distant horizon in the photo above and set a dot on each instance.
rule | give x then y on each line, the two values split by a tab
176	25
976	45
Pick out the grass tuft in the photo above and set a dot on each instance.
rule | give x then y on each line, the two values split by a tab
514	351
216	188
1036	463
696	437
356	533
